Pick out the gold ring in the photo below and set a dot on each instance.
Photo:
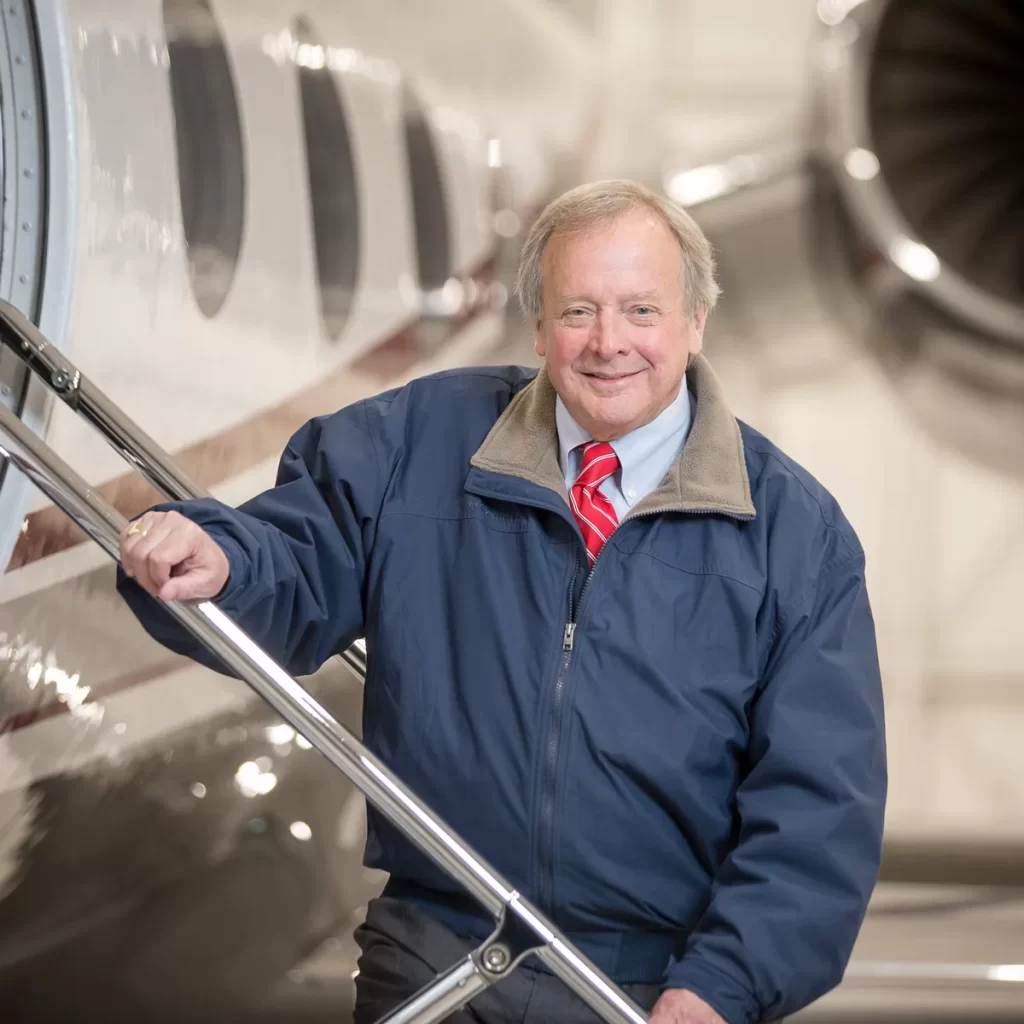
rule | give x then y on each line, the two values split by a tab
135	528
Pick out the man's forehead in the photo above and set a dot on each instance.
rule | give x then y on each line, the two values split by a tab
635	264
644	233
626	296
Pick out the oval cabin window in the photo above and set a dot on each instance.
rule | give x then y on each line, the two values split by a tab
211	156
429	200
334	199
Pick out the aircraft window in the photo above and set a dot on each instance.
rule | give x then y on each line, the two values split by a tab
211	159
430	208
332	181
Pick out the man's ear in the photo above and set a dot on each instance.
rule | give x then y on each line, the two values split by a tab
696	330
540	346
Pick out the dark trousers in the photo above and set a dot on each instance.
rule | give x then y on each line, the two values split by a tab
403	949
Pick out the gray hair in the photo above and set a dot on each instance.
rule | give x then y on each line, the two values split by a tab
604	201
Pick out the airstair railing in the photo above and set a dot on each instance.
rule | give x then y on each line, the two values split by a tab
520	928
126	437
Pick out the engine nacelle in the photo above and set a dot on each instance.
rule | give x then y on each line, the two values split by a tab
902	207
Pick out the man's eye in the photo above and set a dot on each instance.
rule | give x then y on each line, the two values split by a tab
576	312
643	310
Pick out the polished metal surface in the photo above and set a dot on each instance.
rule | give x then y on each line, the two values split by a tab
221	636
22	338
848	60
851	96
446	994
23	190
915	198
892	212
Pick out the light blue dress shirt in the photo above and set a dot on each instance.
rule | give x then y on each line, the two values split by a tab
645	454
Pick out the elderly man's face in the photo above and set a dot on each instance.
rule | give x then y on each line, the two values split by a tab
615	335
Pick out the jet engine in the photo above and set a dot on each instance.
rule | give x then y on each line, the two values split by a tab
921	199
902	204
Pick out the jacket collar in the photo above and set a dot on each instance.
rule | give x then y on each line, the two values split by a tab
710	474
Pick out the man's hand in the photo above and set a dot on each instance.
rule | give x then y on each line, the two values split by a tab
680	1006
172	558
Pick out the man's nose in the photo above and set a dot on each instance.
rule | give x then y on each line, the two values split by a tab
611	334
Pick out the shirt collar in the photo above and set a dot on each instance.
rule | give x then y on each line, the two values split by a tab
636	448
570	434
708	474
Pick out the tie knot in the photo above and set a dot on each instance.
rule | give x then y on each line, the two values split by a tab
594	512
599	462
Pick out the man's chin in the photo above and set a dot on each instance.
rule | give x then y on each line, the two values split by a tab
614	417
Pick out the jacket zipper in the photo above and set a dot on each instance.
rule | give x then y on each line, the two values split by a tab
549	781
569	634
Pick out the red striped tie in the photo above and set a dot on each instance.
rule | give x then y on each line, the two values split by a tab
593	511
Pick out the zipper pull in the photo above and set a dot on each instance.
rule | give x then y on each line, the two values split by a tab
570	632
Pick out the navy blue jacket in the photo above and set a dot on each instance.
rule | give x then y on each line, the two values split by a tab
679	756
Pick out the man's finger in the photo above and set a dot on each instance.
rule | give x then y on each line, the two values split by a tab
132	536
139	528
138	555
129	539
169	547
189	586
172	558
152	533
175	589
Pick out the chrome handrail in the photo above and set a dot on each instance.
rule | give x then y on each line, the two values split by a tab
122	433
520	929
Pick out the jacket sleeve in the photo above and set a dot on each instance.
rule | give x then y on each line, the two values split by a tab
298	552
789	900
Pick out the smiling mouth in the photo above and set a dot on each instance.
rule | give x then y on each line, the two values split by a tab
610	378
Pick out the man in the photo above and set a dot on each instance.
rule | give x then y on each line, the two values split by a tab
617	640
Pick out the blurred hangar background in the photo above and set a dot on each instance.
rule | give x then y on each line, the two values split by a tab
235	214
